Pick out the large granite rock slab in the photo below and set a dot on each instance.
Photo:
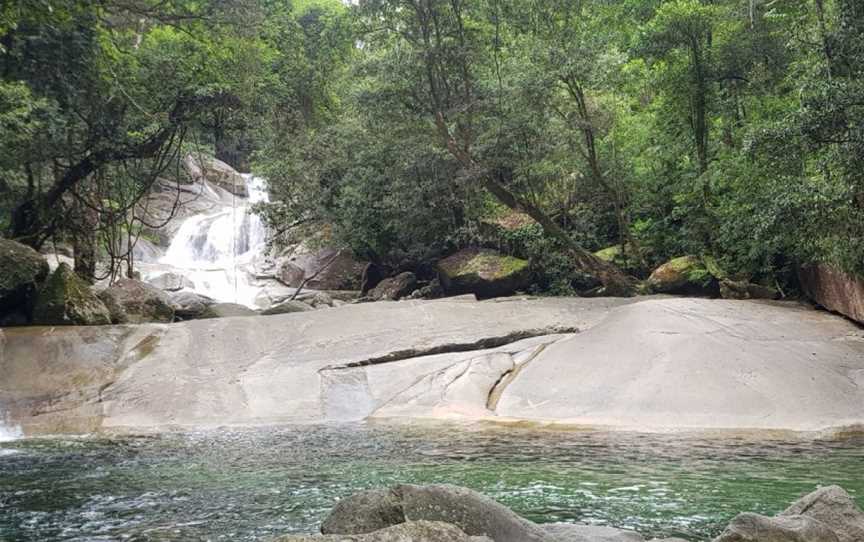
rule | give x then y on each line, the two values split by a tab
651	364
694	363
835	290
336	364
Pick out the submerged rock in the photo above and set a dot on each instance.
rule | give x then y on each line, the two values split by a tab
394	288
134	302
22	269
485	273
687	275
65	300
414	531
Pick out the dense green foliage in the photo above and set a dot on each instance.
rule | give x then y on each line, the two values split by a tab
407	128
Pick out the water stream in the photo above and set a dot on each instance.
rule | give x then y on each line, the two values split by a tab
218	251
255	484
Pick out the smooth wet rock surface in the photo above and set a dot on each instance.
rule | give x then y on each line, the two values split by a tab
648	364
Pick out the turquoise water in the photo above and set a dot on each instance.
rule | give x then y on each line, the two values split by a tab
258	483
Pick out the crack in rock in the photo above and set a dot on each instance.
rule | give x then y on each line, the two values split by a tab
486	343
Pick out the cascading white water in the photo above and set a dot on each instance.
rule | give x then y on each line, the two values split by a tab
218	251
8	432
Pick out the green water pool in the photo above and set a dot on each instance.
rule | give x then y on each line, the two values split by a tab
254	484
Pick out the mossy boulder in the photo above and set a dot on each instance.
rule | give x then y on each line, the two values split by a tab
687	275
483	272
134	302
22	269
66	299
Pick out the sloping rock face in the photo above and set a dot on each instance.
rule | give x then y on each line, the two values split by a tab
836	291
66	300
645	364
485	273
693	363
134	302
22	269
335	364
687	275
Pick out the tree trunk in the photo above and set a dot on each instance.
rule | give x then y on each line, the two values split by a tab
84	242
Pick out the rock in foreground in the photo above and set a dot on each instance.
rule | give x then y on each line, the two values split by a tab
826	515
134	302
414	531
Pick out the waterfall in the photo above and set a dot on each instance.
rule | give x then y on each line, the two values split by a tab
8	432
218	251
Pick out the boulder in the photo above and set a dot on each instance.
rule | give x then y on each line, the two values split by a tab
189	305
731	289
287	307
834	507
365	512
414	531
66	299
226	310
473	513
170	282
134	302
394	288
22	269
686	275
324	269
568	532
433	290
756	528
833	289
217	172
321	300
483	272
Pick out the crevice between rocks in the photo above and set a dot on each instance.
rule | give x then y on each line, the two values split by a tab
454	348
508	377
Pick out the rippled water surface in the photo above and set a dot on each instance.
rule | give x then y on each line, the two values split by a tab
255	484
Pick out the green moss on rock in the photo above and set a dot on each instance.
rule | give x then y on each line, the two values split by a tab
686	275
66	299
485	273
